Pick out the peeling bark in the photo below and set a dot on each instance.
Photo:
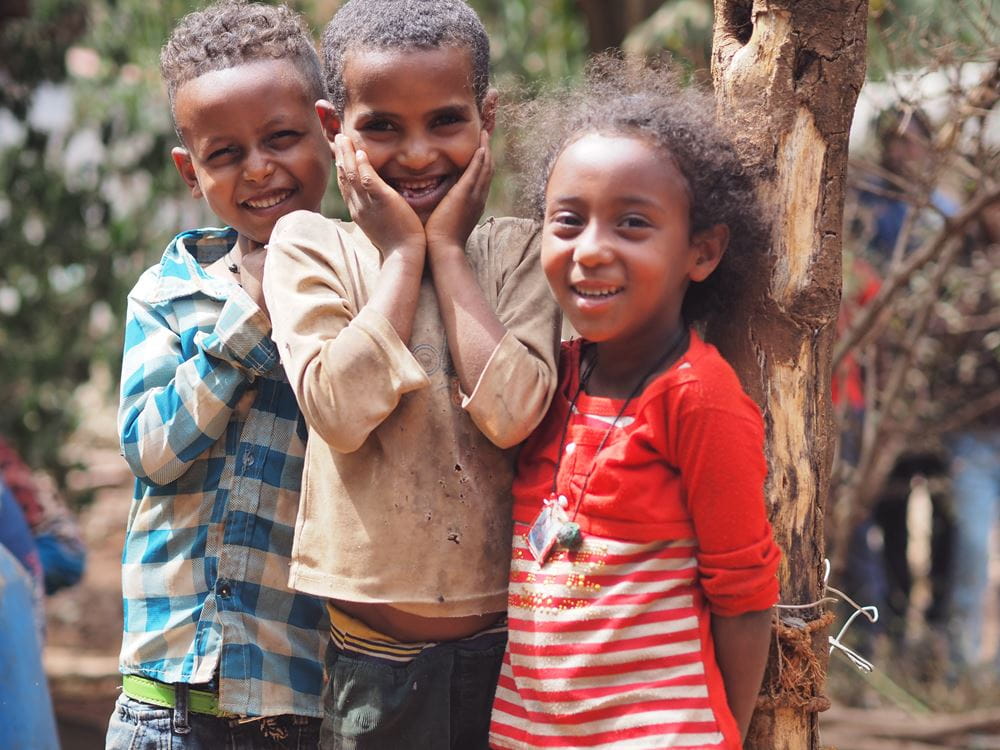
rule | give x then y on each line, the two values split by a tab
787	74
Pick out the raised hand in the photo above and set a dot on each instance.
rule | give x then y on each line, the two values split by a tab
251	273
386	218
458	212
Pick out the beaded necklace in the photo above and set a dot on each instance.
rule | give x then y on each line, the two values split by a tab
552	525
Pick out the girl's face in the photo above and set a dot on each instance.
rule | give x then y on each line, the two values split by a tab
616	245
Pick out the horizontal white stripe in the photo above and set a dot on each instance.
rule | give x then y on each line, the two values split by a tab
609	659
637	677
624	722
630	693
603	635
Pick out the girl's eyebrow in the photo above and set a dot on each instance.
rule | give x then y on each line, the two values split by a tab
451	109
618	200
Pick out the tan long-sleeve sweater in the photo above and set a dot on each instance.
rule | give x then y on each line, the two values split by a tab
406	491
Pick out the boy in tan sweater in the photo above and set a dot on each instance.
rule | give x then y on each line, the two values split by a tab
421	349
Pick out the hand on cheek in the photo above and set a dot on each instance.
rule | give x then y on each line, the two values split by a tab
382	213
458	212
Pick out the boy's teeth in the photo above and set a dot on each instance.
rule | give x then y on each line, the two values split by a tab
597	292
272	200
413	188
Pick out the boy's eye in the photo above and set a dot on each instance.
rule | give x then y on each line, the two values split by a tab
377	126
221	153
284	137
284	134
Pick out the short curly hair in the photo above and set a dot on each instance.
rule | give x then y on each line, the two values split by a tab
403	25
649	101
234	32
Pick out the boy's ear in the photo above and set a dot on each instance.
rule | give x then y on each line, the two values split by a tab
489	110
182	160
708	245
328	117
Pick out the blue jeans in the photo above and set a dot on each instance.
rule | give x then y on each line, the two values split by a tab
976	487
140	726
441	699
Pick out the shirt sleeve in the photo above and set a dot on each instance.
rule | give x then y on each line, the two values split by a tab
720	446
346	363
516	386
180	385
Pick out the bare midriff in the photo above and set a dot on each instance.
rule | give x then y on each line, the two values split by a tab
410	628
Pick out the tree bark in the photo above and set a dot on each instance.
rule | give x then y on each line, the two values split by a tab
608	23
787	75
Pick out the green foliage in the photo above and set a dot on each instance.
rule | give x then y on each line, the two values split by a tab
907	34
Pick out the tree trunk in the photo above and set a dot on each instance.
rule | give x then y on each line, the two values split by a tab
788	73
608	23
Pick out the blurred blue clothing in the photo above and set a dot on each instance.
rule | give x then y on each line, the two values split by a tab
975	470
62	561
16	538
27	721
888	213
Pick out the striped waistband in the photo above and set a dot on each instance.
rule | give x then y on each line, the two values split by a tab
350	634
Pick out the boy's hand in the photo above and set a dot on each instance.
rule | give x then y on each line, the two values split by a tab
252	276
379	210
458	212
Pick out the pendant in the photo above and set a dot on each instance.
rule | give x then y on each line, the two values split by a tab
569	535
553	526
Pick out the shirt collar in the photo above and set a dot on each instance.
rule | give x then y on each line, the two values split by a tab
182	270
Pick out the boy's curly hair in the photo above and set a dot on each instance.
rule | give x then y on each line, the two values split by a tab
234	32
628	98
403	25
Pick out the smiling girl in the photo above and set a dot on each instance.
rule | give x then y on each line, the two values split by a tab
643	567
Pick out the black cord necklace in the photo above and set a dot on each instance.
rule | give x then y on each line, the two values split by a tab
552	524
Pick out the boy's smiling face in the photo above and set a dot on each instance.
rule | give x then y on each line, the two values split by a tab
255	147
415	114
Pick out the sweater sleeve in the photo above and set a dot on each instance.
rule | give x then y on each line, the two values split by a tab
719	444
516	386
346	364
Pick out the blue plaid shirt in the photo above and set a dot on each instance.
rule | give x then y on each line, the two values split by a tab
212	432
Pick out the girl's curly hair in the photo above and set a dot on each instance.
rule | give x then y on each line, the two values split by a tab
234	32
649	101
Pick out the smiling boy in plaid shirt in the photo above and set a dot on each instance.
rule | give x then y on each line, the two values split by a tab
217	650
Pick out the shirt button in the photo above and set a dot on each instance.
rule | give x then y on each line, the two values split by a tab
224	590
570	447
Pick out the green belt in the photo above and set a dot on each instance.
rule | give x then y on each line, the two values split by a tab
161	694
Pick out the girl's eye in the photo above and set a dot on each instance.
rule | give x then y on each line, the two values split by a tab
635	222
565	219
445	120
